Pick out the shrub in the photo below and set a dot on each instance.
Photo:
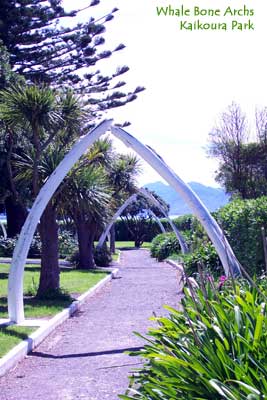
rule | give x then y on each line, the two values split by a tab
66	243
184	222
164	245
149	230
155	244
242	221
7	247
102	257
214	349
207	256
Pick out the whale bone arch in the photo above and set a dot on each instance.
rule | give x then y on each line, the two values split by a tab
3	230
179	236
154	201
15	282
153	215
118	213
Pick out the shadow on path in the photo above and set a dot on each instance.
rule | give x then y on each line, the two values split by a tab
80	355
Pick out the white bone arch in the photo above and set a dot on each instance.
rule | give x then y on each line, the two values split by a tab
215	233
104	234
179	236
154	201
163	230
15	282
3	230
118	213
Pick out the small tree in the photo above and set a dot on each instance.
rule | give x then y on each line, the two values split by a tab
89	198
138	218
16	211
242	164
46	120
85	197
122	174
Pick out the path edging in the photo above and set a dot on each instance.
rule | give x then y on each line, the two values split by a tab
175	265
9	360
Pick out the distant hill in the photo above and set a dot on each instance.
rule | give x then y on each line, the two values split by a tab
213	198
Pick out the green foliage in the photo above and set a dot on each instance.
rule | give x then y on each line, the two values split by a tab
26	28
213	349
67	244
7	76
152	229
242	164
242	221
164	245
29	106
149	227
155	244
102	256
7	247
205	255
184	222
138	219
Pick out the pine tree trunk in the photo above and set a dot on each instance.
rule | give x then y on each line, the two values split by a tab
16	215
86	235
112	240
50	272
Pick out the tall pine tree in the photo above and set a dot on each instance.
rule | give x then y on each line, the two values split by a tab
44	47
39	44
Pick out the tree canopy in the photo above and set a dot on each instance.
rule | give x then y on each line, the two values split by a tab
51	91
242	156
46	44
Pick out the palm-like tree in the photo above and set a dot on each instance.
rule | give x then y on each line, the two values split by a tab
35	110
50	122
122	175
48	227
87	199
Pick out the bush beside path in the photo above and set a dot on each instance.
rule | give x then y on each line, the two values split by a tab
84	358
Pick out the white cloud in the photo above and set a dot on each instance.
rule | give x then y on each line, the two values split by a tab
190	77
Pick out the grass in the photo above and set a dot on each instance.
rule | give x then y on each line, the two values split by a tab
130	245
10	336
72	281
115	256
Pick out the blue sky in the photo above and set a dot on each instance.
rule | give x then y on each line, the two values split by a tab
190	77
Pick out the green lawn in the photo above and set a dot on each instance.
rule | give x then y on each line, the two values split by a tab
72	281
123	245
115	256
10	336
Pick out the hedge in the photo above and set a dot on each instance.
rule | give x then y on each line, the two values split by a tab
242	221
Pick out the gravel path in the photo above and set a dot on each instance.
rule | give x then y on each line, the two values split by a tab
84	358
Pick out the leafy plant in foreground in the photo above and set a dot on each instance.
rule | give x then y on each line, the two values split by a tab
214	349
